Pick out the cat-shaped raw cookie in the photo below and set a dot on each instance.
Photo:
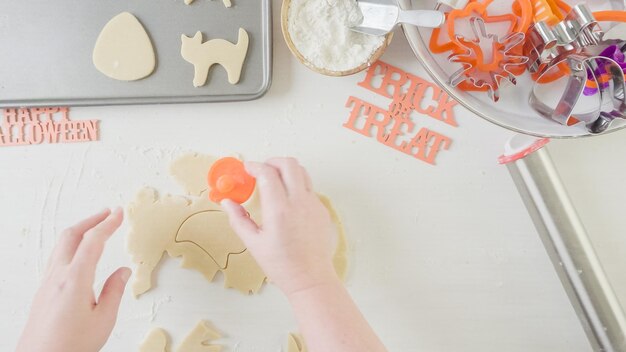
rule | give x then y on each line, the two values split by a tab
217	51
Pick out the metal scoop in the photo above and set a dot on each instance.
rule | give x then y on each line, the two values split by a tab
382	16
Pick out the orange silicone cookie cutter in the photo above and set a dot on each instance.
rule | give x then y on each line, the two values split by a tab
610	16
228	179
519	23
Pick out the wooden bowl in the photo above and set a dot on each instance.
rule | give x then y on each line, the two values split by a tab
285	28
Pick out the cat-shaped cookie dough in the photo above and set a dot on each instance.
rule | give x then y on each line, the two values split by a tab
217	51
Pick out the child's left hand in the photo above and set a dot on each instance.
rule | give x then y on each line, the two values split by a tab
65	315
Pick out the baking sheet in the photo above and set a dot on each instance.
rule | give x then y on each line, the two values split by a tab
47	51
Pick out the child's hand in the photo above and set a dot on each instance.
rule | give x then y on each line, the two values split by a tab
296	242
65	315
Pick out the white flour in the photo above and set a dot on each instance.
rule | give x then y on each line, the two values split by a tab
319	30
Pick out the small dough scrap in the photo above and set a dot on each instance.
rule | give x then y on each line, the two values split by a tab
217	51
195	229
156	341
247	281
124	50
295	343
200	339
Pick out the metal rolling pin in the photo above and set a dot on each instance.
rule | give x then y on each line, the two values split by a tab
570	250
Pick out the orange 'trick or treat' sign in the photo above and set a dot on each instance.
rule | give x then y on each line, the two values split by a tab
396	126
228	179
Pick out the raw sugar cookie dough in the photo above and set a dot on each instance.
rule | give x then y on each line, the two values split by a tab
295	343
217	51
190	226
123	50
156	341
199	340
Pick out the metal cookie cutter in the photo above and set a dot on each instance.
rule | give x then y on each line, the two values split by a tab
487	74
615	52
611	99
579	29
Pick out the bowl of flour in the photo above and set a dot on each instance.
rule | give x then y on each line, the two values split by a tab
317	32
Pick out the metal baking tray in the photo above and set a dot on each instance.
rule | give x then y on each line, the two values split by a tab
46	55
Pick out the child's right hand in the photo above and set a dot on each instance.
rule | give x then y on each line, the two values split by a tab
296	242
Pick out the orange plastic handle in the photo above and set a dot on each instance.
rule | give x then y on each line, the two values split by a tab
610	16
228	179
547	11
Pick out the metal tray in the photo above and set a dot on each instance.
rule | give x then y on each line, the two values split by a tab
46	56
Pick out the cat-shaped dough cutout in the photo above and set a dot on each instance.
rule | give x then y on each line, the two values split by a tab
216	51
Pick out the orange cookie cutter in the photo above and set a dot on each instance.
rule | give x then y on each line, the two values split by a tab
484	73
228	179
518	24
610	16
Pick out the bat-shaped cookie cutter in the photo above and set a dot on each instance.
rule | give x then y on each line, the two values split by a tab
611	97
483	73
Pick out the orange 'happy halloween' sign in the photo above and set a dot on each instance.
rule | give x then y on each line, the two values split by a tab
27	126
394	127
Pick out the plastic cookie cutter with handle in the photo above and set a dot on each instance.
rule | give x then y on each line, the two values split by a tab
608	106
228	179
481	71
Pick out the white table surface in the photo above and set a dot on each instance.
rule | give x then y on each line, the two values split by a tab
442	258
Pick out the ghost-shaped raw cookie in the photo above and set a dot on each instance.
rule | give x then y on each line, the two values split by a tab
123	50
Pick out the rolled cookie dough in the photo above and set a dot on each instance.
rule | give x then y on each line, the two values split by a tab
124	50
194	228
156	341
295	343
199	340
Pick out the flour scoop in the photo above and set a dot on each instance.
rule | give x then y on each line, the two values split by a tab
381	16
537	180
